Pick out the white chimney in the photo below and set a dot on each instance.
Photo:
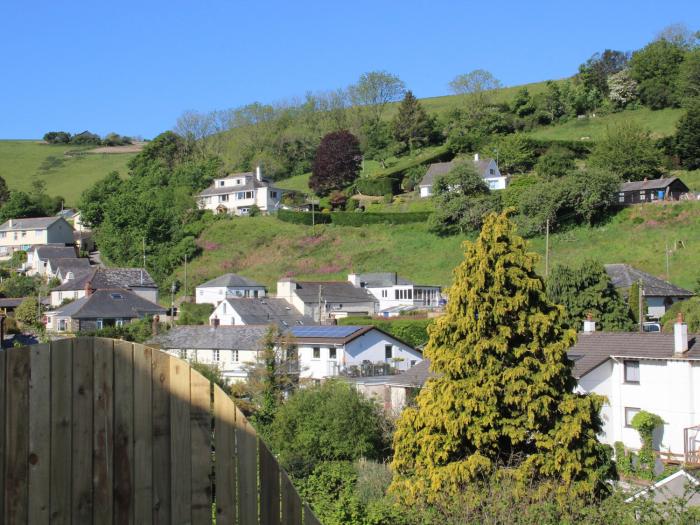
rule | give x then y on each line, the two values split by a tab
354	279
10	223
589	324
258	173
476	157
680	336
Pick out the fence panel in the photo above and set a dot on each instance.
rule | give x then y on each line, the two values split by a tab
61	430
17	438
103	431
39	433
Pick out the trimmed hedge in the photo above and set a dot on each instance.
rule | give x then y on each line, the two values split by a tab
377	186
579	148
412	331
360	219
349	218
303	217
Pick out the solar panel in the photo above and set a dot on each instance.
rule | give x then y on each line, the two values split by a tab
324	331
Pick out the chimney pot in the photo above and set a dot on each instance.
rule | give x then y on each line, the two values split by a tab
10	223
154	325
680	336
476	157
258	173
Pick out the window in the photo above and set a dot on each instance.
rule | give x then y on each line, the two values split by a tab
630	412
15	235
183	354
24	233
116	296
403	294
2	235
222	183
216	356
316	352
37	232
273	194
62	325
642	195
99	323
234	356
238	181
331	353
388	350
493	184
291	353
223	198
492	171
621	197
631	372
119	322
385	293
413	363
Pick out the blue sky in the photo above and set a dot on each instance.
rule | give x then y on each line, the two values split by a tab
133	67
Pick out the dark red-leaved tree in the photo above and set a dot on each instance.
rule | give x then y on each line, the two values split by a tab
337	162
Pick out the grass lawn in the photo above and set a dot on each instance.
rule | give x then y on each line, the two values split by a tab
23	160
661	123
266	249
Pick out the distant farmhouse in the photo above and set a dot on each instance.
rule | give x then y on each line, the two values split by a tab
486	168
237	193
639	192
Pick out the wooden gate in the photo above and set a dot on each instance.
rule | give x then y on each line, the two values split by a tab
105	431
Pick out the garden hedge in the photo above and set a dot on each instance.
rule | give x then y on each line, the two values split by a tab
345	218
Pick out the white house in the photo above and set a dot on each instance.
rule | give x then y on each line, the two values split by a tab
393	291
486	168
329	351
655	372
79	282
21	234
658	294
325	301
228	286
238	192
229	348
258	311
38	257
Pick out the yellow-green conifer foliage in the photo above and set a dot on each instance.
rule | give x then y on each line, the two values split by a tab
502	397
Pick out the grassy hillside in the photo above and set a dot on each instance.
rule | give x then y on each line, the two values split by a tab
266	249
661	123
68	176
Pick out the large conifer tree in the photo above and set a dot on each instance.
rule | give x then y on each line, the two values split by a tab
502	397
412	125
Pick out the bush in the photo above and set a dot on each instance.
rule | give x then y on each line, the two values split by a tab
377	186
27	312
412	331
191	313
362	219
302	217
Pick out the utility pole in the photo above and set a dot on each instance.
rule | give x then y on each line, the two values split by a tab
320	290
668	271
641	306
546	252
185	275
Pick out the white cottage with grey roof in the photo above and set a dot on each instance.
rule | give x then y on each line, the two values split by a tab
325	301
38	257
394	292
22	234
229	348
258	311
228	286
238	192
486	168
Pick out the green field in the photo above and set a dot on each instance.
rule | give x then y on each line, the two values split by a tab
661	123
23	160
266	249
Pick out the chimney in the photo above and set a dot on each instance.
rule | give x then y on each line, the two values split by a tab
589	324
354	279
680	336
258	173
154	325
215	322
10	223
476	157
2	331
88	288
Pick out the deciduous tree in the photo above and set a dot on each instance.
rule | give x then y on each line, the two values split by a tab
337	163
688	137
503	394
476	84
628	151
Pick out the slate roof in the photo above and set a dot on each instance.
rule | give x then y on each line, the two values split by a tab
34	223
266	310
210	338
250	183
593	349
108	278
231	280
55	251
438	169
14	302
381	279
110	304
653	184
623	275
332	292
73	264
678	485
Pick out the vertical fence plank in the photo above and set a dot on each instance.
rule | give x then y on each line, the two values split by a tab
81	456
247	471
200	432
143	436
161	437
123	432
39	433
224	465
309	517
180	458
291	503
17	436
269	486
61	429
103	434
3	429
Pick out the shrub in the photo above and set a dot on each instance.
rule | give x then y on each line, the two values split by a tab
377	186
254	211
362	219
302	217
191	313
411	331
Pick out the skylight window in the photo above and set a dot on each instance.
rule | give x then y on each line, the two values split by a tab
116	296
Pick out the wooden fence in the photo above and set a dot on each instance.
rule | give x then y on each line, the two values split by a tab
104	431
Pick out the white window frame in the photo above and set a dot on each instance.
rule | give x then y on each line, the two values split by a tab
234	356
631	371
629	414
332	353
99	324
216	356
315	353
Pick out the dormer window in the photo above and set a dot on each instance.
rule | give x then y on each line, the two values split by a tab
222	183
238	182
